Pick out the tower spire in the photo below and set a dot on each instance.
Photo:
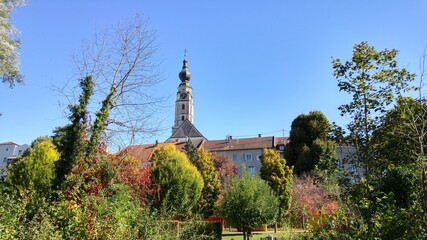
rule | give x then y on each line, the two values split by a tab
185	74
184	109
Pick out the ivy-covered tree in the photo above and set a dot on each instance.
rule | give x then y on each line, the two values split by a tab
122	61
9	45
211	188
35	170
179	181
70	139
374	80
248	202
279	177
305	130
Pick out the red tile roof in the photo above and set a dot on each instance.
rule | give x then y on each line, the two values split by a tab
243	143
143	152
8	143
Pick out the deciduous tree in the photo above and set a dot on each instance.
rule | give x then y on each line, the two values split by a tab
224	166
374	80
9	45
249	202
122	62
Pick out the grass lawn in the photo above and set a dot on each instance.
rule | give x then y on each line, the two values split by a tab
296	233
240	237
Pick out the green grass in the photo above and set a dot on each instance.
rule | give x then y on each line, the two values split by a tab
240	237
292	234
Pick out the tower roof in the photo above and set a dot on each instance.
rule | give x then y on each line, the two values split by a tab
185	74
186	130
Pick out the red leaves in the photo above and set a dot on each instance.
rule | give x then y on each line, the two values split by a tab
311	198
136	175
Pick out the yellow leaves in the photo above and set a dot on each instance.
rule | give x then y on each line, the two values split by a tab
36	170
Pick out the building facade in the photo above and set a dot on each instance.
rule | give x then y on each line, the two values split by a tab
245	151
9	152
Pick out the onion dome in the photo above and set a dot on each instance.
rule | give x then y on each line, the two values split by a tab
184	75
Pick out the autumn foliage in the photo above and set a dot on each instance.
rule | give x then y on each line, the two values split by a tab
310	201
136	175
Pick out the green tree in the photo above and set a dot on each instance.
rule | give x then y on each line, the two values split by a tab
400	143
248	202
70	138
390	143
305	129
180	183
191	151
9	44
211	188
36	169
327	171
396	140
279	177
373	79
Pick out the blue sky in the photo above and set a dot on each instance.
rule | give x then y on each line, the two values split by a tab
255	65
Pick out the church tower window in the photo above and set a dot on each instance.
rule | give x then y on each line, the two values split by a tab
183	107
182	118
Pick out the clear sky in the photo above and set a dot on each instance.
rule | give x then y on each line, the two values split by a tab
255	65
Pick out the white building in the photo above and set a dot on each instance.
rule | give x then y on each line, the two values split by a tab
348	161
9	151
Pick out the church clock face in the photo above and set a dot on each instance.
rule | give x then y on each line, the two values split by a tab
183	96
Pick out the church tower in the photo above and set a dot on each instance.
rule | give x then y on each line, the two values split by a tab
184	109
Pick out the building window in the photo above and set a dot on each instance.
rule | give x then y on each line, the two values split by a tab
7	149
182	118
257	157
19	152
5	158
183	106
234	157
353	168
251	169
248	157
